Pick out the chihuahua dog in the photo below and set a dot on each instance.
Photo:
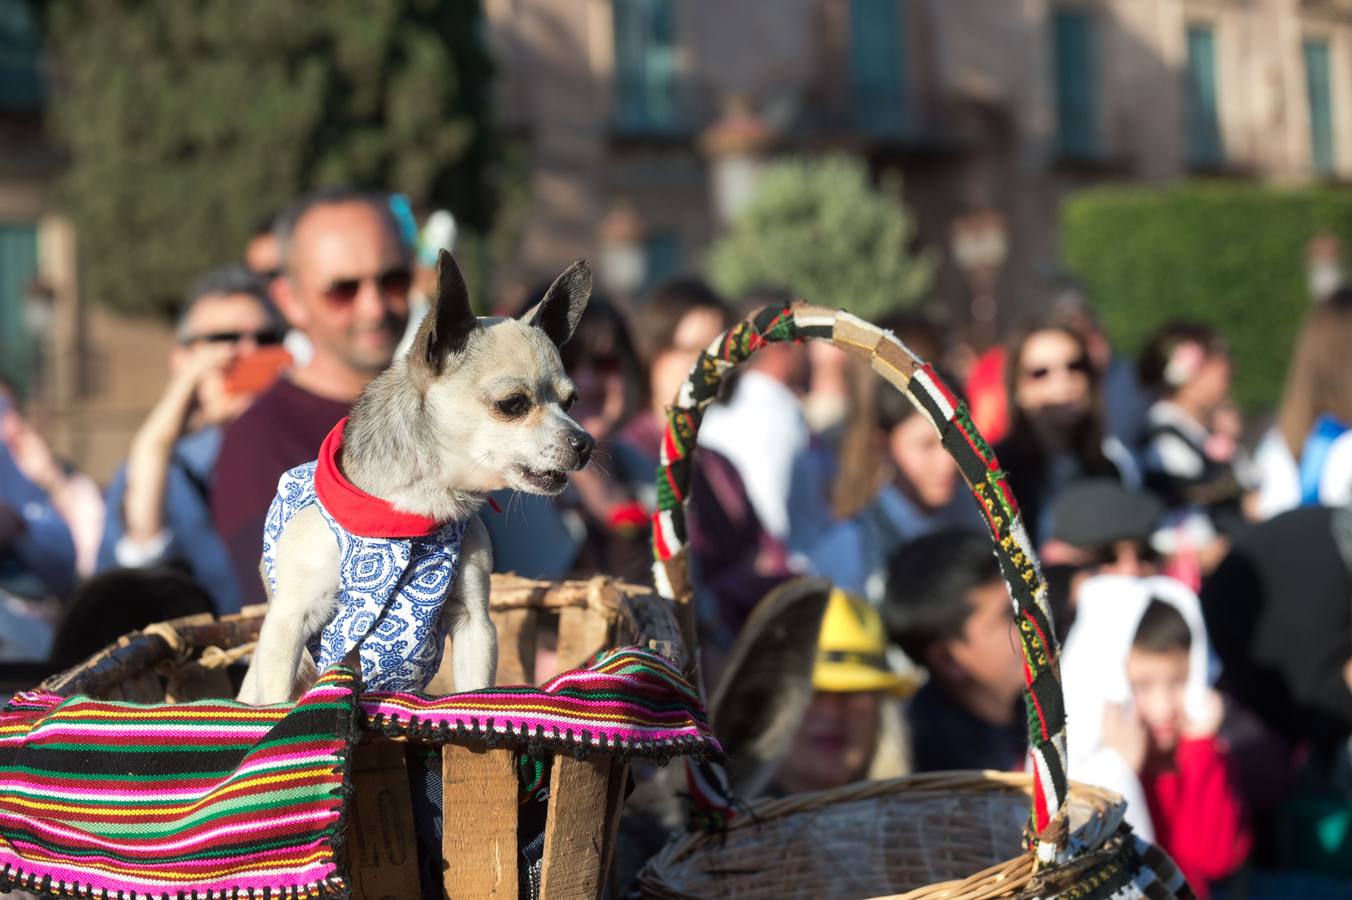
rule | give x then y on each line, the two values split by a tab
376	548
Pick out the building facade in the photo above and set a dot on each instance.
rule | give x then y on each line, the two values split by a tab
991	110
983	106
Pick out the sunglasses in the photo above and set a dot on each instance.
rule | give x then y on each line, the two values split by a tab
394	282
1076	366
1109	556
261	338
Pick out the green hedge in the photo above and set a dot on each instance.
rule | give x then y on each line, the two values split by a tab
1230	255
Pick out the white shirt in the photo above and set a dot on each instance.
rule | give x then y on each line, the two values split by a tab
1169	453
1279	475
761	431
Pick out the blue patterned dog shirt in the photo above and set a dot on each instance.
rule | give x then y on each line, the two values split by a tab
390	592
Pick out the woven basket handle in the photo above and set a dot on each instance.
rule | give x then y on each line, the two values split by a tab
918	381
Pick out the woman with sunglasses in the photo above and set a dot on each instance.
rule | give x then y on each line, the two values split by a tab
1056	423
158	510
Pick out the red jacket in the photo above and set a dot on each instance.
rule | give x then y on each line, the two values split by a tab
1198	816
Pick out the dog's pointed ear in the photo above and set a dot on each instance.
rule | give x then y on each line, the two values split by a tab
449	323
561	309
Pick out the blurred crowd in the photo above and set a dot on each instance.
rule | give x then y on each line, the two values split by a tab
1200	566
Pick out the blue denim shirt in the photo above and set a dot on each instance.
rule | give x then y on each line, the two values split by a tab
41	559
193	541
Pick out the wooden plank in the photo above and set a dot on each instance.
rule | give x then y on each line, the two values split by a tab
516	645
382	847
650	623
510	591
619	780
516	651
581	633
576	827
479	824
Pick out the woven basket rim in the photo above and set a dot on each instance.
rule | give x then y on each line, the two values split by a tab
926	785
179	639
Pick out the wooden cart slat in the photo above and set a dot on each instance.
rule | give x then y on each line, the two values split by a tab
382	848
516	645
577	841
479	796
582	632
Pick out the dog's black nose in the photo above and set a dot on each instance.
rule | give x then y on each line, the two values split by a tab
583	444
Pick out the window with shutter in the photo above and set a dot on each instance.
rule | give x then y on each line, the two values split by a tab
645	67
877	66
20	51
18	267
662	257
1203	112
1073	58
1319	89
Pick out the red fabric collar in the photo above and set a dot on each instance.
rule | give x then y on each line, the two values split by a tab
358	512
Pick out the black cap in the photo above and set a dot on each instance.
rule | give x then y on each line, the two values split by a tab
1099	511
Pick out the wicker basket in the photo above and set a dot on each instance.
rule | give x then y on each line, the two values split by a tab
951	835
925	836
193	658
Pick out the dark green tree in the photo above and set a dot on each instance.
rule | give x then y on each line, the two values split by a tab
188	121
819	228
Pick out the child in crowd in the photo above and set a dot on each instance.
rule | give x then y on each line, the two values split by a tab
1189	451
948	609
1137	670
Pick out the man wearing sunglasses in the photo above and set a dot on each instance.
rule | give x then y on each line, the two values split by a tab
158	511
344	283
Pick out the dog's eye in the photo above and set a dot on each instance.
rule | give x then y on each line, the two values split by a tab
567	402
514	406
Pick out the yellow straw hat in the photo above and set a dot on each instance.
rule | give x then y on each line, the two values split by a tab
852	649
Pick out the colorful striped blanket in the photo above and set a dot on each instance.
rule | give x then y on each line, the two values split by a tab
626	703
218	799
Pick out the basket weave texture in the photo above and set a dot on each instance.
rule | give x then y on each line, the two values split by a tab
924	836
